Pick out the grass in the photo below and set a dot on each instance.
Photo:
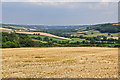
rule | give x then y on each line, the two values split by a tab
71	41
95	33
56	39
36	36
78	39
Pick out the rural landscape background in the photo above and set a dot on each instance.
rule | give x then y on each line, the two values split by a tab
60	40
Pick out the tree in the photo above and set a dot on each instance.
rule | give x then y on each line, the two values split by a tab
92	33
39	38
109	34
104	38
10	44
88	28
77	42
83	42
81	36
51	39
92	41
46	39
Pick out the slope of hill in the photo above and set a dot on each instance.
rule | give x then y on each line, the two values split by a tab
105	28
92	35
42	27
108	30
43	34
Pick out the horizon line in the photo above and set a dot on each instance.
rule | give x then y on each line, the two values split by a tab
60	24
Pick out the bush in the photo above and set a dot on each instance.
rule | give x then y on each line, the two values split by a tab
10	44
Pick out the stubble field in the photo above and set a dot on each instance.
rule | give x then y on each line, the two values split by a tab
64	62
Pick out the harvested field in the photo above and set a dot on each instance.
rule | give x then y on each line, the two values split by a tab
6	29
64	62
43	34
113	37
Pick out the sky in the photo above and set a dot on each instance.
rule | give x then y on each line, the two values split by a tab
60	0
119	12
59	13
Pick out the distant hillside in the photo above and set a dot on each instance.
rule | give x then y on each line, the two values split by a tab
42	27
102	35
105	28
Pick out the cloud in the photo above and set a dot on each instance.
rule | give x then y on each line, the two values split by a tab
89	5
60	0
58	4
68	3
59	12
109	0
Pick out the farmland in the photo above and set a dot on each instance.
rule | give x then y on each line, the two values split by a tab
60	62
100	35
43	34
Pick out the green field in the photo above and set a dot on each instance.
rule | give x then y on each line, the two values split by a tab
94	33
56	39
77	39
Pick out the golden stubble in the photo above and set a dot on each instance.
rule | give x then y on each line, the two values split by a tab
60	62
